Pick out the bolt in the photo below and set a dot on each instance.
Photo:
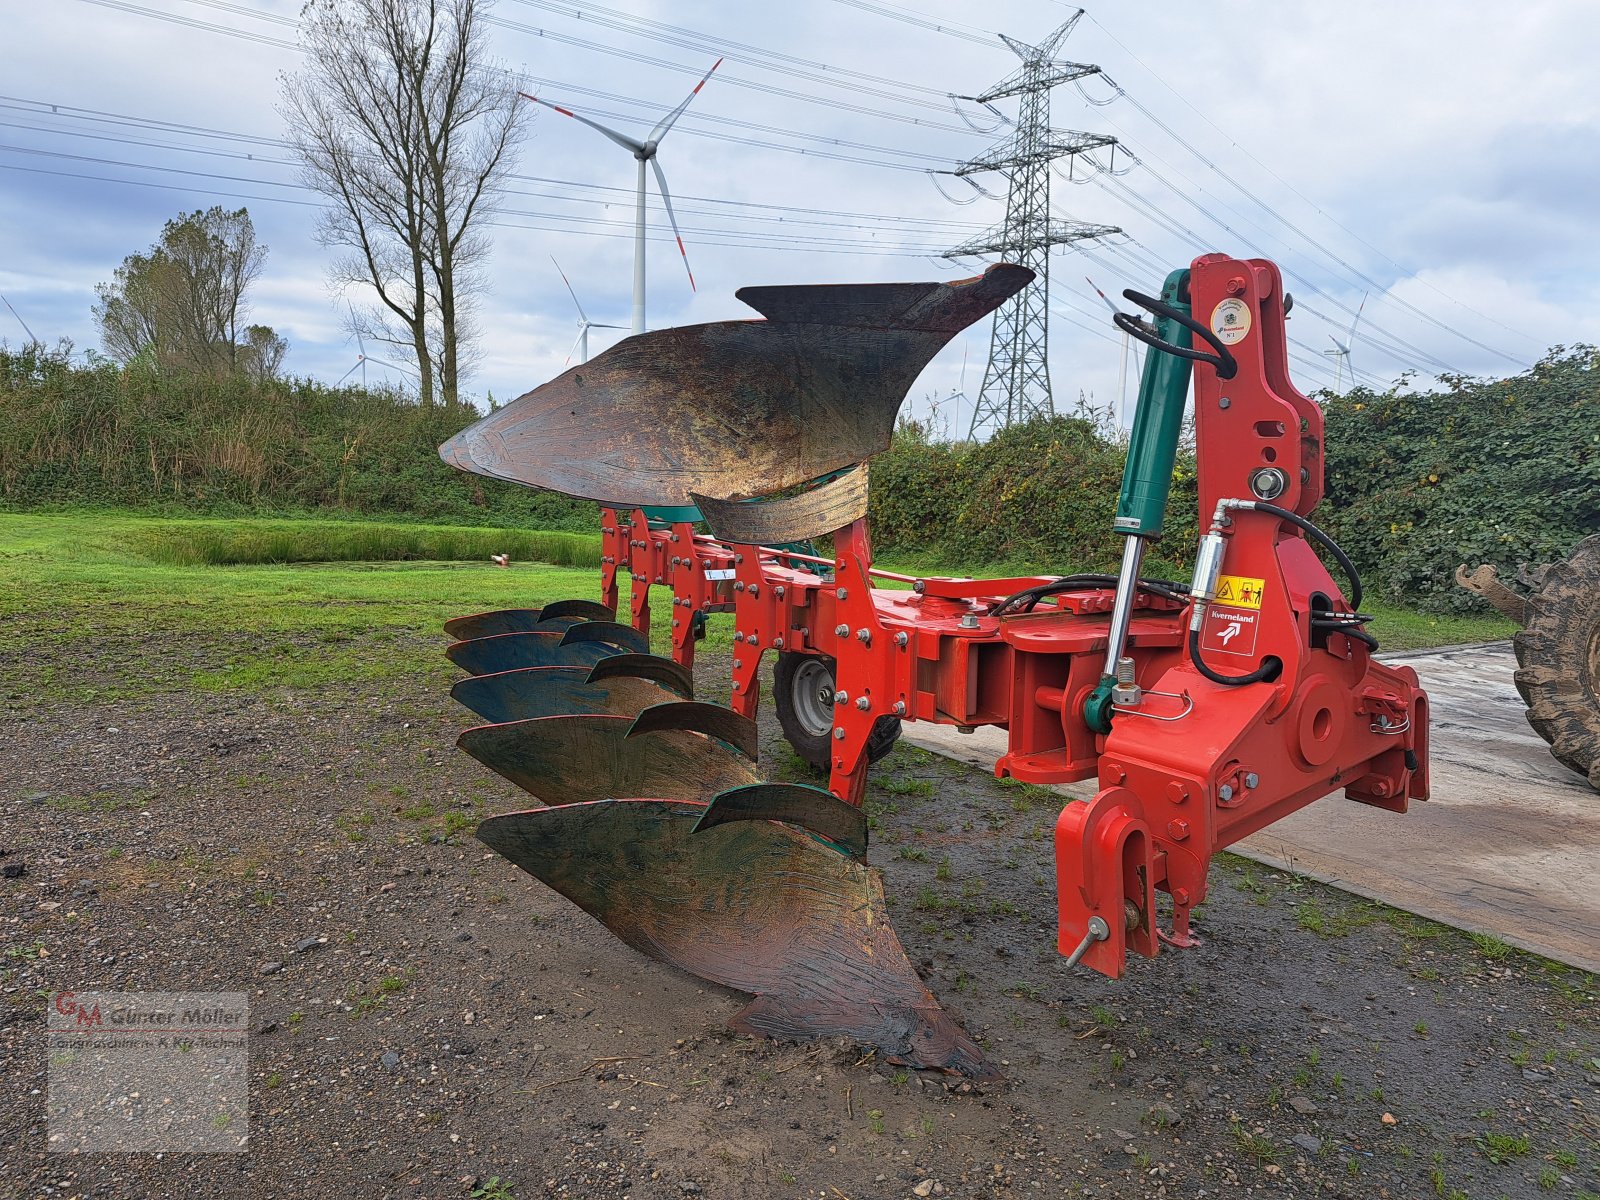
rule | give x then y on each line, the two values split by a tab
919	586
863	703
1224	402
738	560
1176	792
676	560
675	624
841	630
778	591
970	621
838	733
1236	286
1252	780
738	585
777	643
901	639
899	708
864	636
1113	772
841	698
1180	897
1381	788
755	590
1225	792
842	594
1178	830
738	637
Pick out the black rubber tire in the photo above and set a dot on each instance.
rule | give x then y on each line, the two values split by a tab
798	684
1558	660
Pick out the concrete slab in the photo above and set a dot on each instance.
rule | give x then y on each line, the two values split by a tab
1509	844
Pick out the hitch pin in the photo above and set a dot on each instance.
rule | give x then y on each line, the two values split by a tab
1099	931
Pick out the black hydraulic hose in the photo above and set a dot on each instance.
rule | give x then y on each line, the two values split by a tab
1333	547
1028	598
1348	624
1271	667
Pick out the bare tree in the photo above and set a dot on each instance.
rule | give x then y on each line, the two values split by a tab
403	124
182	302
260	354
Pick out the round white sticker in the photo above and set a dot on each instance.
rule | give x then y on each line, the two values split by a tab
1230	321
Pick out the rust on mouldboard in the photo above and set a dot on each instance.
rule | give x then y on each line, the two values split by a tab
751	904
733	409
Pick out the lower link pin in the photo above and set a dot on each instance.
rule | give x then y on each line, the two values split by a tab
1099	931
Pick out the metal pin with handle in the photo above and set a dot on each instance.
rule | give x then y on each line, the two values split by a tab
1099	931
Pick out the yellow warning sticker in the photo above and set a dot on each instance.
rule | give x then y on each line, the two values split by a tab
1240	592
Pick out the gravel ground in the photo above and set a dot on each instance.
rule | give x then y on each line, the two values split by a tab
429	1022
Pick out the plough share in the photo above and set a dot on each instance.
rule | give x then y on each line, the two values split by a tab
1206	710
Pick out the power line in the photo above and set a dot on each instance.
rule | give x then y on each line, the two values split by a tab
1406	272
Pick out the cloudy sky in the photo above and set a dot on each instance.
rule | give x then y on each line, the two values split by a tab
1438	158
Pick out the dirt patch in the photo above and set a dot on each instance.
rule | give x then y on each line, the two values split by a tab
426	1018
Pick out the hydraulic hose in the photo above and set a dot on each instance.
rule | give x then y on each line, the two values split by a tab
1299	522
1208	567
1271	667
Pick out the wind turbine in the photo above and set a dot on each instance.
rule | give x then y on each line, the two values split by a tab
644	152
32	341
1341	350
362	357
1122	374
581	342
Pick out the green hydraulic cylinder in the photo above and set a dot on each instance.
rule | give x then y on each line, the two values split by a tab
1157	423
1146	484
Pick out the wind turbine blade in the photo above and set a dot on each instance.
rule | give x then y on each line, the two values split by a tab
627	143
667	122
573	347
355	328
1337	348
397	366
351	371
666	198
583	316
602	325
1351	336
23	323
1101	294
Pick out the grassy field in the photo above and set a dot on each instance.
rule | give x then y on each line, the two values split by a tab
66	578
308	603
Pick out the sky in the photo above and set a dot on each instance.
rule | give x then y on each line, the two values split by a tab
1432	165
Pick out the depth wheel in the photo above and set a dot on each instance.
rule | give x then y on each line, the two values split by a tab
1558	660
804	685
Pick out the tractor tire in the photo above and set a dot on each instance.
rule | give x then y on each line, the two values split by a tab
803	687
1558	660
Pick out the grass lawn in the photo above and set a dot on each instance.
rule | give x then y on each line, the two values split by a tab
277	603
65	578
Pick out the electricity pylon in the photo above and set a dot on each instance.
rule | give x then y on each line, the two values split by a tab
1016	382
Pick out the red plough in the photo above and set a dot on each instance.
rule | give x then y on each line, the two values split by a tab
1206	710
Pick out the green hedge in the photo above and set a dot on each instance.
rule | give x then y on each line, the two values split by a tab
105	436
1485	471
1043	493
